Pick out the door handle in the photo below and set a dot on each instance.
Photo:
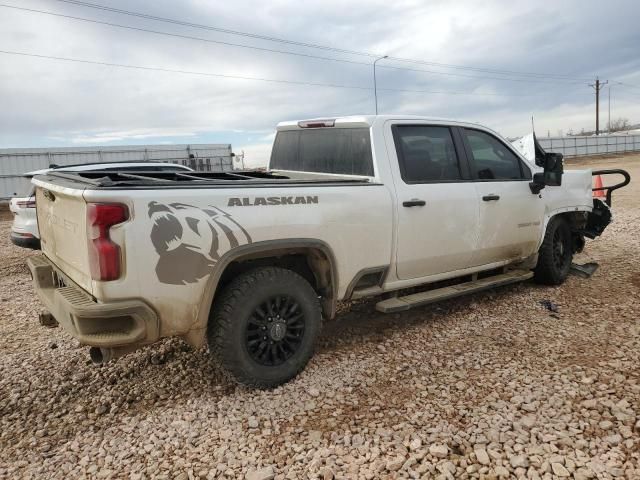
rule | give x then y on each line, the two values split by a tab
491	198
414	202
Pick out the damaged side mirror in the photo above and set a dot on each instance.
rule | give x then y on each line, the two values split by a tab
553	169
552	175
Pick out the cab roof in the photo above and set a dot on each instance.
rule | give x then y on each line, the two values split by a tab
363	121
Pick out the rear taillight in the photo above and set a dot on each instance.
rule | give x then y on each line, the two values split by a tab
104	254
26	204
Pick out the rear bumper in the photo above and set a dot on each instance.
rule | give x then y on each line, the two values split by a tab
25	240
114	324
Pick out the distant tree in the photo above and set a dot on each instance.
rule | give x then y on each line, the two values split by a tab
619	124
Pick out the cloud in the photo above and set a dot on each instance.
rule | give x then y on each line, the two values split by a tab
79	103
93	138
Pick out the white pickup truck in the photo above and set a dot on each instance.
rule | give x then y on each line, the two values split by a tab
251	262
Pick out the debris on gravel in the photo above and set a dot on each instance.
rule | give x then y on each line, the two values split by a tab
489	386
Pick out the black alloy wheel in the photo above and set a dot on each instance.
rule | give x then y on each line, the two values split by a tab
275	330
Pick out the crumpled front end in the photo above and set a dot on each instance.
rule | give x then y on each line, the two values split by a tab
598	219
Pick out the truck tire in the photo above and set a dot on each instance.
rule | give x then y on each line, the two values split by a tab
555	254
264	326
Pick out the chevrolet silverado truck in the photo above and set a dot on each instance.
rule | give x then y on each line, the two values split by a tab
250	263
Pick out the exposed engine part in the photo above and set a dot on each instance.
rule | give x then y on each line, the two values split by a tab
578	242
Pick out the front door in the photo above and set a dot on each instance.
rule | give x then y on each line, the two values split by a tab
437	203
510	215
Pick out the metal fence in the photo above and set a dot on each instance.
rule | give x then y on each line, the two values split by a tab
600	145
15	162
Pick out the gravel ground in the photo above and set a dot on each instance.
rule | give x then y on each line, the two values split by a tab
489	386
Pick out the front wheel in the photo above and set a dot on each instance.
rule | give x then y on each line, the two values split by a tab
555	254
264	326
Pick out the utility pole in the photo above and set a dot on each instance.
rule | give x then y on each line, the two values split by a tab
598	86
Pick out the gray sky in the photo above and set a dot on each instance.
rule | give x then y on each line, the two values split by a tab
51	103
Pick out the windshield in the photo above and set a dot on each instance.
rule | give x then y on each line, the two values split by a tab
344	151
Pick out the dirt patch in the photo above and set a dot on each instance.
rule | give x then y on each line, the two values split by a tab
5	213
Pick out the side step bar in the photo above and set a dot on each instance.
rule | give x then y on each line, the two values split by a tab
398	304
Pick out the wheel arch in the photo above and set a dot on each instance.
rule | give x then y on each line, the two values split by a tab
319	262
573	215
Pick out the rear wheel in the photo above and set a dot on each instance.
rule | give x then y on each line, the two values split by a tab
555	254
264	326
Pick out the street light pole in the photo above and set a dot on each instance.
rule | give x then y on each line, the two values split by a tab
375	85
609	119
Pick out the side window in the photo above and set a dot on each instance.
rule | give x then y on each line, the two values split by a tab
492	160
426	154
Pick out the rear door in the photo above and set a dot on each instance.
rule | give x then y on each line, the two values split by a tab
437	208
510	214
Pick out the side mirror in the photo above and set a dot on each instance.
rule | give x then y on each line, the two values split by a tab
553	169
552	175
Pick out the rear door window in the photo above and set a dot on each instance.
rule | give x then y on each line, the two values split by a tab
344	151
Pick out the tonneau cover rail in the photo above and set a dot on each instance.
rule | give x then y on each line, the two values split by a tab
133	179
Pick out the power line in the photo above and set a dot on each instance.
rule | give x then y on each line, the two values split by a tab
433	72
215	29
482	94
238	77
627	92
311	45
487	70
187	72
177	35
190	37
626	84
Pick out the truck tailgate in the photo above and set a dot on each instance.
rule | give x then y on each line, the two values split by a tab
62	223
